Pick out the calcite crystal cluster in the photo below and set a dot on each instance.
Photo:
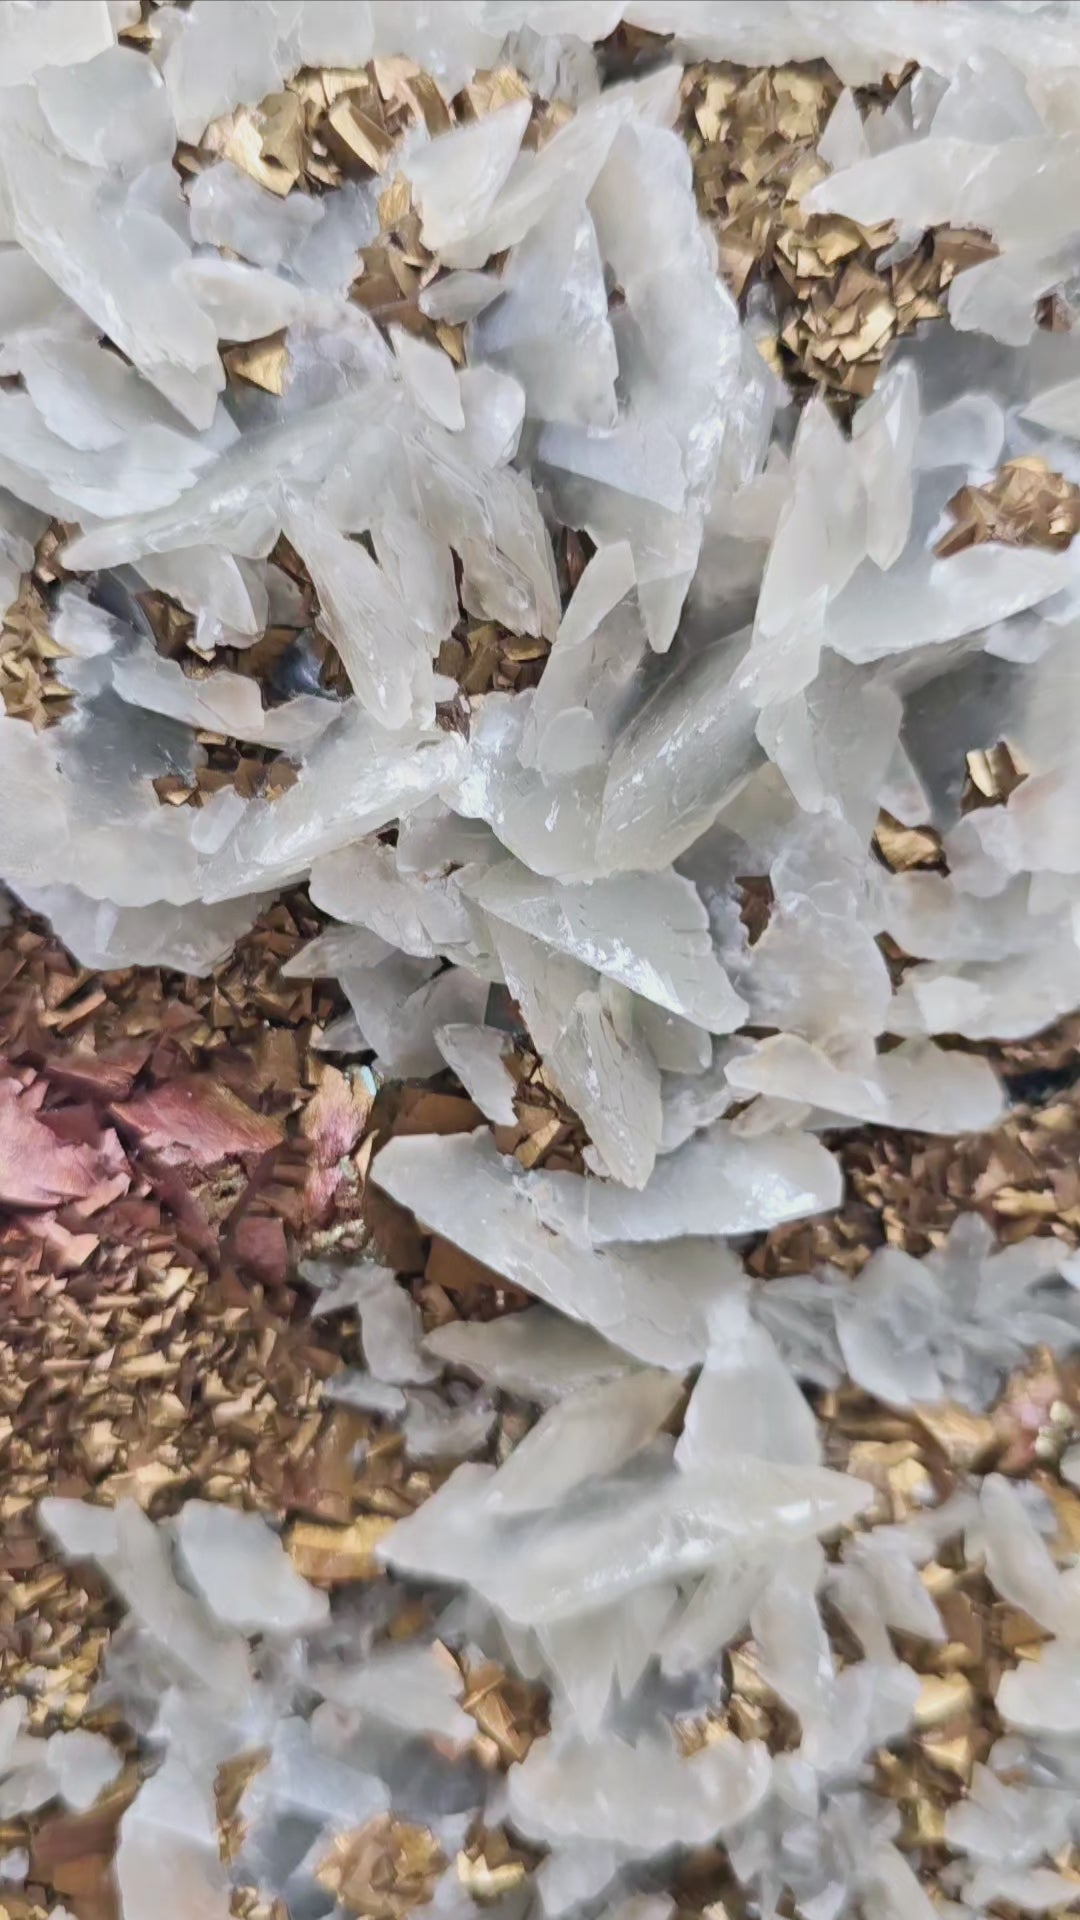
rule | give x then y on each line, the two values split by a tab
602	520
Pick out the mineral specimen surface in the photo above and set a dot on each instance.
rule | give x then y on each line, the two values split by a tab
539	1108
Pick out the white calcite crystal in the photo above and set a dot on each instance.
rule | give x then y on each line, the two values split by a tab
588	1433
550	326
415	1688
648	874
917	1085
652	1304
624	1534
74	1767
478	1056
950	1325
745	1398
717	1184
137	1561
639	1799
83	1764
167	1858
243	1573
389	1321
1006	1832
538	1354
658	914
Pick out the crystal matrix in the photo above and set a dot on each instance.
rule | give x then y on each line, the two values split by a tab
559	521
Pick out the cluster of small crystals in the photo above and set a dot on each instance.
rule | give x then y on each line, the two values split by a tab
824	307
537	552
